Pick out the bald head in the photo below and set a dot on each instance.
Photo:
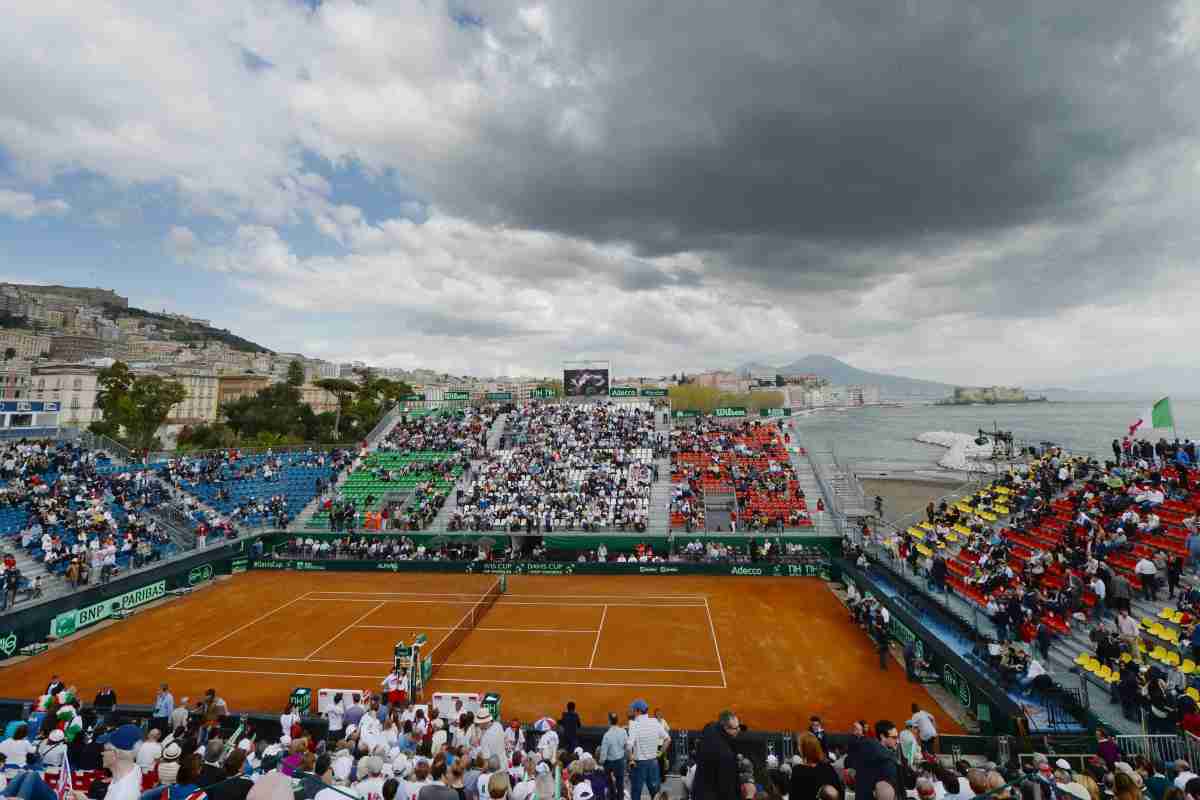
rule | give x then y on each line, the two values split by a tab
884	791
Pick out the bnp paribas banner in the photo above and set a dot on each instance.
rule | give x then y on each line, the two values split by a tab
68	622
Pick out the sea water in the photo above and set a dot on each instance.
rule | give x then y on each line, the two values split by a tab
883	436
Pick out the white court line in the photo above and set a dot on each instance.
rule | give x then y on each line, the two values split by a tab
508	594
454	664
439	680
496	630
505	603
291	658
344	630
594	669
713	629
242	628
599	630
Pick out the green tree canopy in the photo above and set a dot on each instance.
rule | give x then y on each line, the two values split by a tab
135	406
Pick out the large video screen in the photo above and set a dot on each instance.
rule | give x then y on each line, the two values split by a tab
585	382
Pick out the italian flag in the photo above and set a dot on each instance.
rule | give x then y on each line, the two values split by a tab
1158	416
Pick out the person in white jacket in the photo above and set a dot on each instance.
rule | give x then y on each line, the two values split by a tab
548	746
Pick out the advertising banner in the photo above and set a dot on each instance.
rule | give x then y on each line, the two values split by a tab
730	411
775	412
585	382
623	391
68	622
815	569
457	395
684	413
412	398
654	392
499	396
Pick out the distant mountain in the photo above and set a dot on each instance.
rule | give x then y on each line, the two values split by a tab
839	373
1146	382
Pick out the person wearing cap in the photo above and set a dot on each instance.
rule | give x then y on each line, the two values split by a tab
646	741
117	758
168	765
926	729
491	736
53	749
1064	779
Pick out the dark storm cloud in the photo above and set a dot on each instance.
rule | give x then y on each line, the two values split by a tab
796	143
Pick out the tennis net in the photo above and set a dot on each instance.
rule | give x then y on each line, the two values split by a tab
450	642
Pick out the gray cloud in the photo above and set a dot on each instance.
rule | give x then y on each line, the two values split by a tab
789	142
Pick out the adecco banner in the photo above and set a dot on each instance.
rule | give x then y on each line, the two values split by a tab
68	622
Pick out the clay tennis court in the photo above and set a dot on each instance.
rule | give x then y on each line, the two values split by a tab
774	649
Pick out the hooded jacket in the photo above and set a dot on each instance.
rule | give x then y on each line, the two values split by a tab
716	766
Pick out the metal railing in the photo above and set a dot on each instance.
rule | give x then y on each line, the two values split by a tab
383	424
98	441
1164	747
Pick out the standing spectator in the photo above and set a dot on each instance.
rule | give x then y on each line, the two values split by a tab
211	770
926	729
1131	634
1120	593
814	770
150	751
1147	572
568	728
335	714
164	704
612	755
117	758
646	740
878	762
716	775
491	737
211	708
289	720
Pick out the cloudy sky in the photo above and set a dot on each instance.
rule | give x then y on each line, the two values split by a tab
924	187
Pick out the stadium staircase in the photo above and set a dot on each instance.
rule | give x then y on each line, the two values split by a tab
659	518
823	524
496	433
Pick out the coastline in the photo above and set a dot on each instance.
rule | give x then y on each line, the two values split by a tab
903	495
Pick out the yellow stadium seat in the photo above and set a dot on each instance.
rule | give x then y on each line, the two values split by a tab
963	529
1126	658
1172	635
1141	647
1001	510
990	517
1158	652
1164	613
1173	658
1177	617
1187	667
1082	659
916	533
1193	693
951	537
1148	623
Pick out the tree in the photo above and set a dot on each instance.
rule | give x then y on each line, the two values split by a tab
135	406
295	374
342	389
